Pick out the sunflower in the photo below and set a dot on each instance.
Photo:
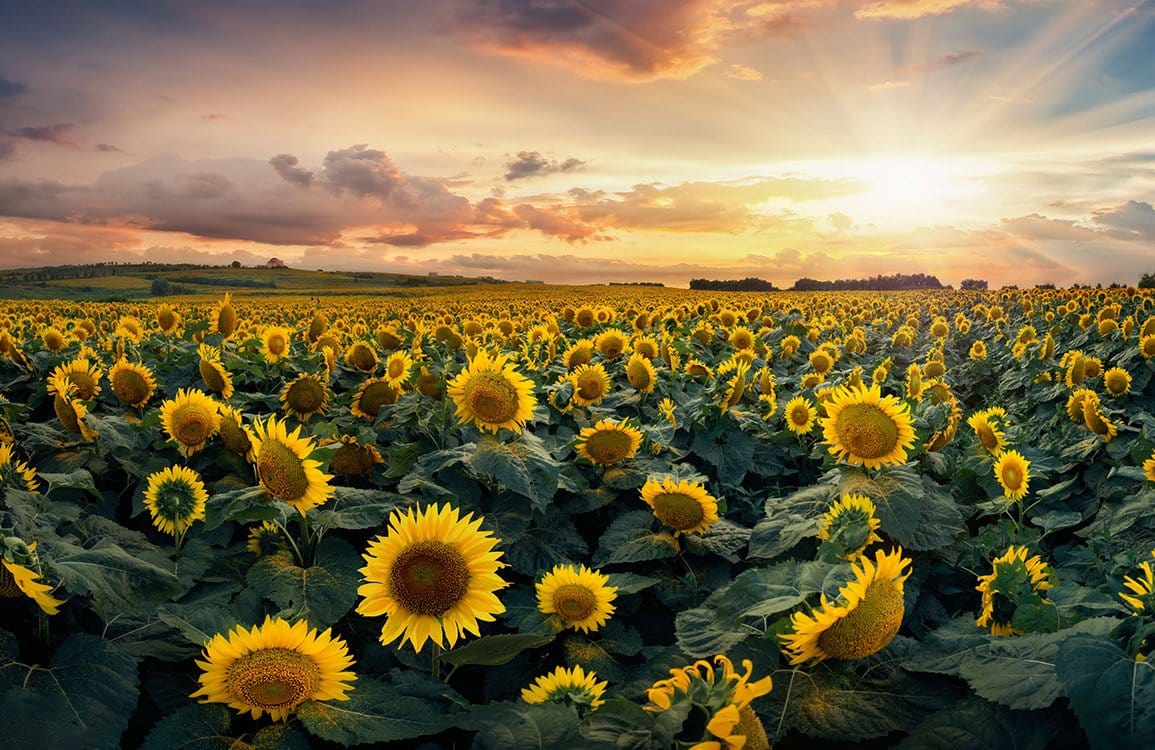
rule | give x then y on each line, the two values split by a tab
986	425
352	459
371	396
1013	472
666	409
562	684
821	361
224	317
608	442
360	356
397	367
611	343
579	353
304	397
734	387
645	346
684	507
720	716
1014	579
1147	346
433	576
866	428
1076	401
285	470
132	383
54	339
1149	468
14	473
69	409
234	434
190	419
214	375
577	597
492	394
175	498
167	319
1098	422
591	384
864	619
741	338
850	526
275	343
274	668
640	372
83	374
1117	381
800	415
265	539
1141	588
20	575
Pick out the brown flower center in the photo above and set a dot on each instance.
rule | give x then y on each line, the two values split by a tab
491	397
574	602
281	471
678	511
429	578
869	627
866	431
274	678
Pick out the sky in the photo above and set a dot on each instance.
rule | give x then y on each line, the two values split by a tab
585	141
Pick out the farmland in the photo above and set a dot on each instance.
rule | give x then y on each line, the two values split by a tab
523	516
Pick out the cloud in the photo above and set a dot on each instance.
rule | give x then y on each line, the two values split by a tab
286	166
213	117
7	150
742	73
58	133
533	164
888	85
11	89
911	9
942	62
108	148
1134	220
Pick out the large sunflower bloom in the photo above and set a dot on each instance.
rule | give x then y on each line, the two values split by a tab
82	373
800	414
864	619
608	442
562	684
175	498
987	429
1013	472
866	428
684	507
213	373
640	372
433	576
190	419
397	368
371	396
591	383
284	467
275	343
577	597
997	599
724	694
132	383
305	397
492	394
274	668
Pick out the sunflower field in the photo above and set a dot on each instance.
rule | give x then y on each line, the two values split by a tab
537	517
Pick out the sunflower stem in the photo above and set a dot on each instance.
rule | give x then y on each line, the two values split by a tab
435	666
289	537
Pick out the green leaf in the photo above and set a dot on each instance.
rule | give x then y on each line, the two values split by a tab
978	725
725	538
321	593
351	508
630	538
495	650
77	479
631	583
619	724
730	453
116	580
83	698
524	467
197	726
375	712
523	726
915	511
700	634
249	504
1112	694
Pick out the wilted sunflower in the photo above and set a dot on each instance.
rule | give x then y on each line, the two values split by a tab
566	685
190	419
352	459
684	507
608	442
69	409
987	426
304	397
285	470
274	668
1013	578
640	372
492	394
224	317
83	374
866	428
175	497
720	717
862	621
577	597
433	576
397	368
20	575
800	415
1141	588
132	383
591	384
275	343
371	396
850	526
667	409
13	473
213	373
234	434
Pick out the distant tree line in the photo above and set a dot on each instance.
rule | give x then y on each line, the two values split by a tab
897	282
973	285
642	283
749	284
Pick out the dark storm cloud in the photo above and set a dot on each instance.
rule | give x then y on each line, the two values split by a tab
534	164
286	167
57	133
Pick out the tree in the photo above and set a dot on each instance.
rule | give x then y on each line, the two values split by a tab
973	285
1147	281
161	287
235	264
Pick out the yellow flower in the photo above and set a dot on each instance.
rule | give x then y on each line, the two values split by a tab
265	539
353	459
304	397
864	619
213	373
998	596
167	319
987	429
580	353
1117	381
1013	472
1149	468
492	394
175	497
578	597
397	368
275	343
1147	346
83	374
1096	421
1140	588
285	470
640	372
224	317
608	442
15	473
274	668
867	429
18	579
234	434
725	696
564	684
684	507
69	409
851	523
800	415
360	356
666	409
611	343
132	383
591	384
190	419
433	576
